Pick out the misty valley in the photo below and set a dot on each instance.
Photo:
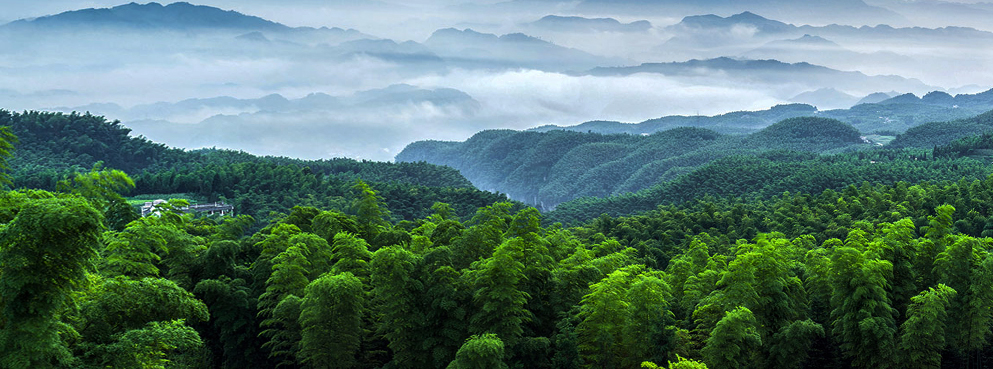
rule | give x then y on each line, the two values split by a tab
496	184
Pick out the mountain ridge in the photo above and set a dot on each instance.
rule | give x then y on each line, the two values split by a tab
583	24
153	15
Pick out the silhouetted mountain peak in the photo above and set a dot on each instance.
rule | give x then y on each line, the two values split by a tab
181	15
581	24
452	35
907	98
761	23
938	98
811	39
748	17
520	37
874	98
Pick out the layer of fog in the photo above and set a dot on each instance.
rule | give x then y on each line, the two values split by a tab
124	76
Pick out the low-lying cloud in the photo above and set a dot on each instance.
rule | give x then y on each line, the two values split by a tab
369	99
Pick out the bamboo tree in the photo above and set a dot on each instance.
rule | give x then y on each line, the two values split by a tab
480	352
44	253
863	320
734	341
922	336
331	316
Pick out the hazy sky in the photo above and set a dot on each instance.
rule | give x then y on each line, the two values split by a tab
290	12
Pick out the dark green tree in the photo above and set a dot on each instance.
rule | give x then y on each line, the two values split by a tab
863	320
370	210
480	352
498	299
44	253
922	337
396	291
331	318
734	341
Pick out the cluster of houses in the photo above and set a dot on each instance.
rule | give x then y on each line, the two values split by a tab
218	208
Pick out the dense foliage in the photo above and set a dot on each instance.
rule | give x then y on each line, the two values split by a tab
54	146
867	275
772	173
941	133
545	169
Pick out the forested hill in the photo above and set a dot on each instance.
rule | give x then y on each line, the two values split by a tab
942	133
891	114
548	168
934	152
871	276
773	173
939	158
52	146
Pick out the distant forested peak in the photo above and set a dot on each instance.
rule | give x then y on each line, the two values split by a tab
942	133
581	24
714	21
810	128
685	132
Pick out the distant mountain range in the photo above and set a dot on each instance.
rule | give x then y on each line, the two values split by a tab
581	24
703	28
314	126
385	98
176	19
175	16
826	98
515	49
941	13
880	111
816	49
446	47
840	11
770	72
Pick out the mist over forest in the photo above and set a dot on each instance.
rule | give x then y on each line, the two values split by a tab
362	79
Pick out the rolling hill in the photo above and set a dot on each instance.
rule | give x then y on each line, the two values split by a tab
548	168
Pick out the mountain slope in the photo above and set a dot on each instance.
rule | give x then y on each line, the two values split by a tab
52	146
880	113
942	133
475	49
545	169
768	72
839	11
175	16
581	24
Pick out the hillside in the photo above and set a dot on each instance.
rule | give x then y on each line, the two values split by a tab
766	175
942	133
547	168
806	134
933	152
321	287
52	146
